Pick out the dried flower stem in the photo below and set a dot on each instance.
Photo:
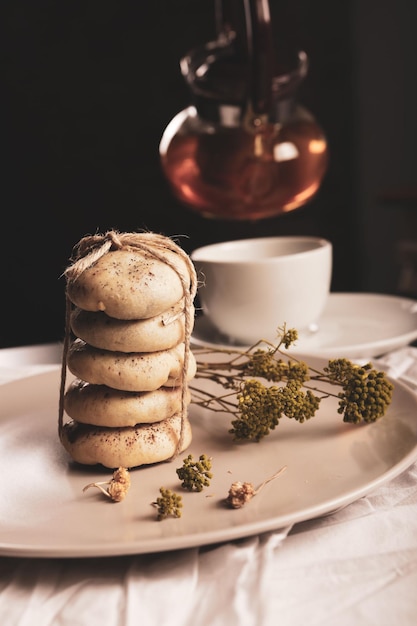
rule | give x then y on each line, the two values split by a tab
118	486
240	493
268	480
291	387
99	486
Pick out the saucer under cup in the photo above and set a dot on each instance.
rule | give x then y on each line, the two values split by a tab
251	288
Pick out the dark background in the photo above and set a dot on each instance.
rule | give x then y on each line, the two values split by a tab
89	87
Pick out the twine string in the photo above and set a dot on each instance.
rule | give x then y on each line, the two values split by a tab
88	251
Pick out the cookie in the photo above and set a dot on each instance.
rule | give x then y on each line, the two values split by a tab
144	335
125	447
135	371
102	406
128	284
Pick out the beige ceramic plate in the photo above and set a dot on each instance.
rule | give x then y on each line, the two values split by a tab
44	512
354	325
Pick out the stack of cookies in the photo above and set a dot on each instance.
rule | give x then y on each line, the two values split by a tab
129	318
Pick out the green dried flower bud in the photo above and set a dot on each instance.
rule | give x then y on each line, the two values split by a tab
168	504
195	475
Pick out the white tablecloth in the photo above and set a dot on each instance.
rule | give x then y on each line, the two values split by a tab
357	567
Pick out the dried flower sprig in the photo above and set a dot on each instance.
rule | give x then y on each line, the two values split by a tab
240	493
118	486
195	475
168	504
256	405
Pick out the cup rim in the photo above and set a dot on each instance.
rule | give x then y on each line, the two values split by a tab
205	253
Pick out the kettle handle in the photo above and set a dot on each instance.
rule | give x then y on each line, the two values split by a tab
261	56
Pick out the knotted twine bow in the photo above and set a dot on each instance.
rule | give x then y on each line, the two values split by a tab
88	251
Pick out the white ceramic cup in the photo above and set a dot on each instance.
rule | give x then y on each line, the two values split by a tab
249	288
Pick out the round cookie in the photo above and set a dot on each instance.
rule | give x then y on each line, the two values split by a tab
102	406
125	447
134	371
144	335
129	284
